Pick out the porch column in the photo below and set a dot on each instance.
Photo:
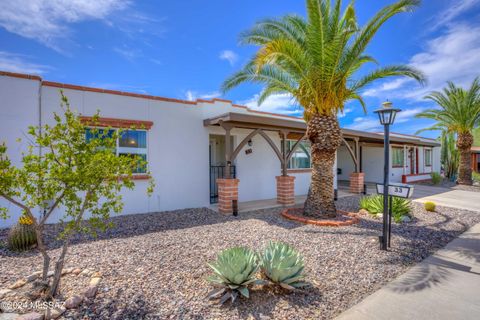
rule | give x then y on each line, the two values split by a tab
286	190
227	153
357	180
227	191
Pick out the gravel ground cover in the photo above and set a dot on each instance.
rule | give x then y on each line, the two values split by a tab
154	265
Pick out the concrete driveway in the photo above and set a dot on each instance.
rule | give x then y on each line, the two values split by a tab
469	200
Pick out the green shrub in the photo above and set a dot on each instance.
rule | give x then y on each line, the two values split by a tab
22	236
234	270
374	205
476	176
283	265
436	177
430	206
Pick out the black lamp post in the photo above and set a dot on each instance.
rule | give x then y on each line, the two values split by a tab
387	117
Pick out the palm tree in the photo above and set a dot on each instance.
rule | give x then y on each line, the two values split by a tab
459	113
314	60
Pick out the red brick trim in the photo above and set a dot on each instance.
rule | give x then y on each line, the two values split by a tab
141	177
20	75
118	123
116	92
295	215
404	177
138	177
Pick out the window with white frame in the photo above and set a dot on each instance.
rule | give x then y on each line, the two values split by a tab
131	143
398	157
301	156
428	157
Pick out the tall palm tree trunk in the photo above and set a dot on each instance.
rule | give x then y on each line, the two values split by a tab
464	145
325	136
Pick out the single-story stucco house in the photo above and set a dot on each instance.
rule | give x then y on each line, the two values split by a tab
189	144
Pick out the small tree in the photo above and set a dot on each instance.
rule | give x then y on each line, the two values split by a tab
64	168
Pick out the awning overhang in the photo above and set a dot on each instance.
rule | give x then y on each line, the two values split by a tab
298	125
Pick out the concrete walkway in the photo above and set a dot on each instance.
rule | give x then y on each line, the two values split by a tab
444	286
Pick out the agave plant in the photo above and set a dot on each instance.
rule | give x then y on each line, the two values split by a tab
234	270
283	265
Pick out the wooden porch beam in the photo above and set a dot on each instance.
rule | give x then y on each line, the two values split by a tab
352	154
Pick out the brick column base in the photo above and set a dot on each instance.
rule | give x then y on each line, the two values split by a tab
286	190
357	180
227	191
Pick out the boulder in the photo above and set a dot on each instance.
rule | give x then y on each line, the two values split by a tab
73	302
54	313
91	291
31	316
18	284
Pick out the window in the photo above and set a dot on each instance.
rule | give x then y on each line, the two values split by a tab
428	157
131	143
301	157
398	157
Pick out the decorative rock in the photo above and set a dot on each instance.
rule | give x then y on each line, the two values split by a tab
55	313
90	292
379	215
85	272
363	212
67	271
33	276
95	281
4	292
73	302
97	274
76	271
405	219
31	316
18	284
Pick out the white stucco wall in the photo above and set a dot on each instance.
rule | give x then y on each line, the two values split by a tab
178	145
18	111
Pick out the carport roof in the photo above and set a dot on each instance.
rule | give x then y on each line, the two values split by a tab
298	125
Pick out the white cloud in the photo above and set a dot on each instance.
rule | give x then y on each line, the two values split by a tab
453	10
452	56
371	123
386	86
194	95
276	103
19	63
229	55
344	113
47	21
128	53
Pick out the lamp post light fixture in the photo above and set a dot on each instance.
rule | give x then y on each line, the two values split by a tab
386	116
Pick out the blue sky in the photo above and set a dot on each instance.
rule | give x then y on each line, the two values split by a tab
185	49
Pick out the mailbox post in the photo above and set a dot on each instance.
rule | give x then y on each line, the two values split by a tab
393	190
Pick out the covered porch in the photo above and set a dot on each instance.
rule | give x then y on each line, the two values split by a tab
359	159
277	132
